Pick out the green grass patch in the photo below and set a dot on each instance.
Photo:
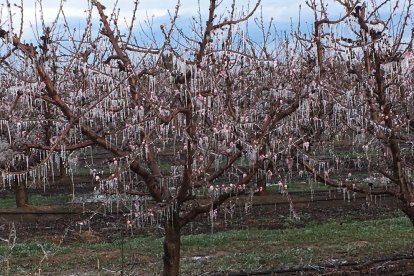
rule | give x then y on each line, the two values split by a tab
35	200
242	250
253	250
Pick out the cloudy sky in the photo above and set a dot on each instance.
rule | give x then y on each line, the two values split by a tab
281	10
284	12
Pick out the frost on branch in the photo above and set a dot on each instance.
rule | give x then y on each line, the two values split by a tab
206	114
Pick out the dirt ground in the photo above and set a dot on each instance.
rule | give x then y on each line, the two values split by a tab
61	224
264	212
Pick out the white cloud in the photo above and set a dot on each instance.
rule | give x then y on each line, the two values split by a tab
284	11
75	10
281	10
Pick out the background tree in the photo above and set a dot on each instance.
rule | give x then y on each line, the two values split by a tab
191	121
365	62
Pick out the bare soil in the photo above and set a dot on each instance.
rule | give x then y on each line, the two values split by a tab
271	211
65	224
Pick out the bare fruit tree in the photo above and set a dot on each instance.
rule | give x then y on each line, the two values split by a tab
365	61
190	120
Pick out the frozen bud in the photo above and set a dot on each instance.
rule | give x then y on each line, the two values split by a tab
411	204
42	85
97	178
211	188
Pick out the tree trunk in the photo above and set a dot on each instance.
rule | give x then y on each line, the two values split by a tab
62	169
261	185
409	211
22	198
172	244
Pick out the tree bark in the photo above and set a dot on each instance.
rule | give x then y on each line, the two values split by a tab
261	185
172	244
62	169
409	211
22	198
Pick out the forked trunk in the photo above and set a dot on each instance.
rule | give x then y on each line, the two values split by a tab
22	198
172	243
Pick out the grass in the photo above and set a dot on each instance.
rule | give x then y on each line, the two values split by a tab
9	201
251	250
243	250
